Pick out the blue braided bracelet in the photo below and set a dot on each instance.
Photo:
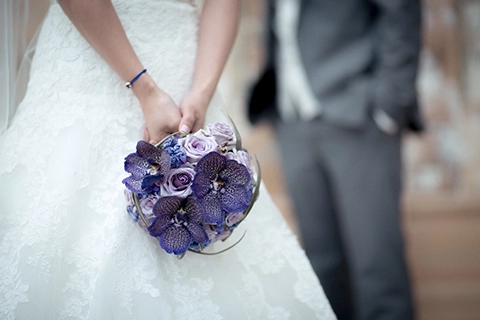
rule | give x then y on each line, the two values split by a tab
130	83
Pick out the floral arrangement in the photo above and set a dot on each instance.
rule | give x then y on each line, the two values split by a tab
191	190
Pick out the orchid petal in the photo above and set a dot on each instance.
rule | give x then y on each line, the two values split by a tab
135	185
212	209
148	151
198	233
175	239
136	165
194	210
235	173
159	225
201	184
212	163
167	206
235	198
150	180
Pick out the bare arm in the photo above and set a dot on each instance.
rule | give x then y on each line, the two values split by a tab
218	29
99	24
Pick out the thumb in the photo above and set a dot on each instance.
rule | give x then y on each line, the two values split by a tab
187	122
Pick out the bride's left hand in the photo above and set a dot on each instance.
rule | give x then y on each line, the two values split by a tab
193	109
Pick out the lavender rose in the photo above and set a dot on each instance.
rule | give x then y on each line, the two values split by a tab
214	234
223	133
147	203
234	218
242	157
197	145
129	197
177	182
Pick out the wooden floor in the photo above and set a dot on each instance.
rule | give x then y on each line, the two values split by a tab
442	239
443	235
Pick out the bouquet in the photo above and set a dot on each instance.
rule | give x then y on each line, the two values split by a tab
191	190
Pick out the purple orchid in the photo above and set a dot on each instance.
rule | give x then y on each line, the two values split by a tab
148	166
221	186
178	224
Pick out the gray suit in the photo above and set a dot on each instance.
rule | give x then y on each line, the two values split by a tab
343	173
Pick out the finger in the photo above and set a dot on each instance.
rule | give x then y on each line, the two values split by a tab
197	125
159	137
155	139
186	123
146	135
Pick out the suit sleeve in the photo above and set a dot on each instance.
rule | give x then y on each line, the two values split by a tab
397	47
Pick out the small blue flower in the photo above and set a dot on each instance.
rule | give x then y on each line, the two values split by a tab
176	152
132	212
147	166
221	186
178	224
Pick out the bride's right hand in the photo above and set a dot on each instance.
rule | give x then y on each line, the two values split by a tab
161	113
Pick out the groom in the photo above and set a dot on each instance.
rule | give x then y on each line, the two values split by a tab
341	75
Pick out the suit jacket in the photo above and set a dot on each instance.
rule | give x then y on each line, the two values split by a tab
359	55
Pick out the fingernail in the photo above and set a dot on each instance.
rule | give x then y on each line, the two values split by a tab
184	128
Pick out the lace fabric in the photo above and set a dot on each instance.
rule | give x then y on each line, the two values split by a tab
68	248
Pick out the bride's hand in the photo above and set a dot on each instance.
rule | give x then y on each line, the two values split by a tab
193	109
162	116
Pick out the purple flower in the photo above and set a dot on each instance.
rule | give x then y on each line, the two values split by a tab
234	218
132	212
215	234
178	223
177	182
197	145
221	186
147	166
242	157
129	197
147	203
223	133
176	152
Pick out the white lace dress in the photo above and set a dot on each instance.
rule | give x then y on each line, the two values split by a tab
68	248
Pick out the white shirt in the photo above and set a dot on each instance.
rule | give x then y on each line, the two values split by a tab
296	97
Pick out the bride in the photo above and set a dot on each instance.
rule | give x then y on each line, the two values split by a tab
67	246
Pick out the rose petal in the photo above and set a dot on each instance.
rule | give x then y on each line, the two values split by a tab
175	239
234	198
235	173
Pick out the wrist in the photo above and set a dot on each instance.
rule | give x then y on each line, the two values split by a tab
199	99
202	95
144	87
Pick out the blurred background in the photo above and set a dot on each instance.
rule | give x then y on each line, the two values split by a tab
441	200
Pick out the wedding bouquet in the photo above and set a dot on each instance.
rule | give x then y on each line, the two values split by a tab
191	190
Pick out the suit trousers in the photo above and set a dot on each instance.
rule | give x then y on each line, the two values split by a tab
345	186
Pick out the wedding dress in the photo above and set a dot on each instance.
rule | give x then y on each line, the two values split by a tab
68	247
